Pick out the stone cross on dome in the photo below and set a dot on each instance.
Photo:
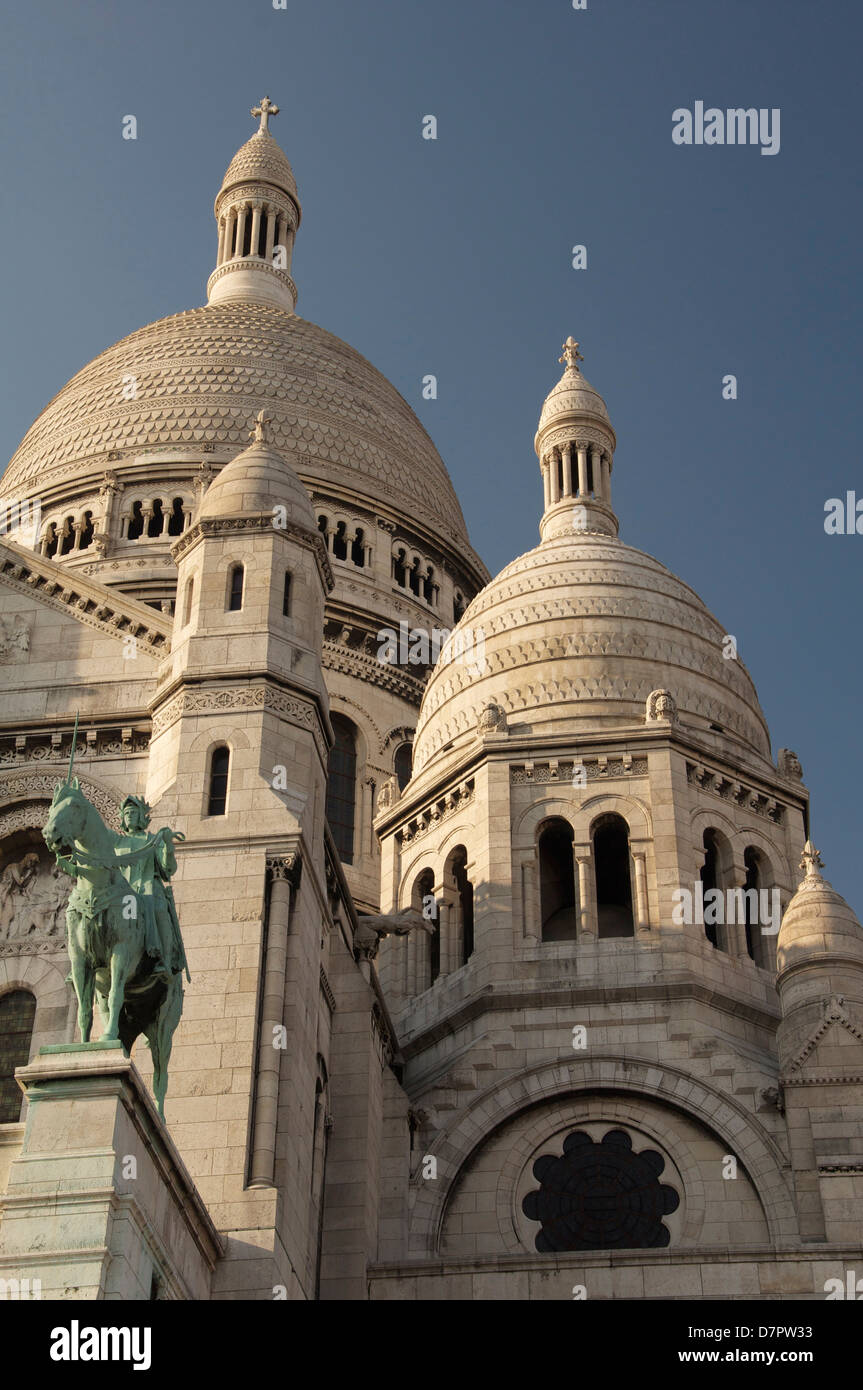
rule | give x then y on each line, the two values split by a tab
260	433
266	109
571	355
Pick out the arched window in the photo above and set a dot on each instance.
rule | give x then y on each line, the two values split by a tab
557	882
219	769
286	595
187	606
613	882
429	586
458	606
157	521
86	537
342	787
757	898
400	568
323	527
235	589
17	1011
414	576
358	550
464	889
51	541
403	764
176	520
423	890
340	543
68	535
715	874
136	522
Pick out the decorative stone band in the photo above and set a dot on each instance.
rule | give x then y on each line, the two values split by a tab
39	787
16	750
262	522
435	812
86	602
263	696
595	768
258	266
249	192
352	661
729	789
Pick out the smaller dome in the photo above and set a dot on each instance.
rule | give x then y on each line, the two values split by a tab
261	160
259	480
573	395
817	924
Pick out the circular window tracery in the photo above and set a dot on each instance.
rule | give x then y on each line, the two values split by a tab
600	1196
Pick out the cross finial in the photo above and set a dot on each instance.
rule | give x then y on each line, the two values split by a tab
571	355
260	433
266	109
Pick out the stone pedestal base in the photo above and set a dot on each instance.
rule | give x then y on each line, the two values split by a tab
99	1204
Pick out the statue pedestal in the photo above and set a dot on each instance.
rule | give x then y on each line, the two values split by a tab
99	1204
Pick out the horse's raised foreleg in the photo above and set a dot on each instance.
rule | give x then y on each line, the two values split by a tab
160	1036
83	977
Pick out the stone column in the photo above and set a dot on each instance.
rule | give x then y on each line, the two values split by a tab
546	484
220	254
281	239
530	906
582	470
605	467
283	876
567	470
241	228
642	917
598	489
256	228
555	478
271	234
586	916
446	925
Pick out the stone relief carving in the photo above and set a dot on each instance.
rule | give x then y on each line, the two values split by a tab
33	897
14	639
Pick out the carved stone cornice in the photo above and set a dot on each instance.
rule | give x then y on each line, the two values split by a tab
96	606
596	769
263	695
20	750
353	662
736	792
434	812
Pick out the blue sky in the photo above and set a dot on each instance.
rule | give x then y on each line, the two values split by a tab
453	257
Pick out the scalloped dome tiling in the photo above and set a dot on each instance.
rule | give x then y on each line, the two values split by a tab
575	635
204	374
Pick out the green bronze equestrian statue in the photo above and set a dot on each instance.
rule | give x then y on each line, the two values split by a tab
122	928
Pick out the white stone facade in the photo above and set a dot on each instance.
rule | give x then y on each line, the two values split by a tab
498	977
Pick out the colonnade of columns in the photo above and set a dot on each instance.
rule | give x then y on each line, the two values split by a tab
584	886
232	231
565	473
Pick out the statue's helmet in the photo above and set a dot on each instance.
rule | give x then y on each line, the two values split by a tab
139	804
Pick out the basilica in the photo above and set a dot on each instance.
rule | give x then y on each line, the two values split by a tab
449	1030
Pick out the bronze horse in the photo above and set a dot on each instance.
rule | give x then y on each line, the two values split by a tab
106	928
